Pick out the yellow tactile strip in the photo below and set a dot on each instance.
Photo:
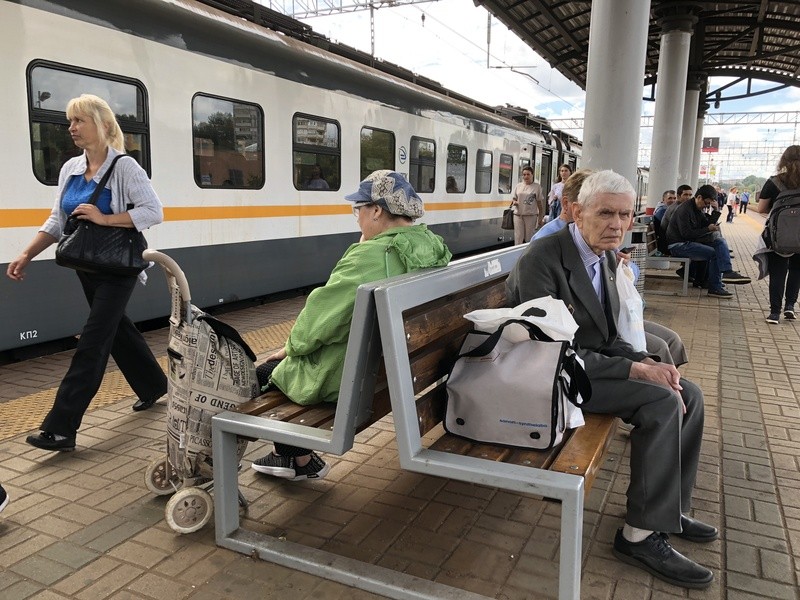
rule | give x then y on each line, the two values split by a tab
26	413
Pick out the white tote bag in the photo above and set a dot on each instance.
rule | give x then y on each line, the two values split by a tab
630	320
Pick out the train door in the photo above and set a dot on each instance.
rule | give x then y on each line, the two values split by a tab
546	178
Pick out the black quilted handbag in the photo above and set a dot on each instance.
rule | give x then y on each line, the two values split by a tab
86	246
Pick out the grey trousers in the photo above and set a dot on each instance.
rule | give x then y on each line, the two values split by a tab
665	343
665	446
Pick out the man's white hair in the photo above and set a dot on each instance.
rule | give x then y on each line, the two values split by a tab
604	182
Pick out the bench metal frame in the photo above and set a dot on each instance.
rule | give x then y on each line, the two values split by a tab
679	259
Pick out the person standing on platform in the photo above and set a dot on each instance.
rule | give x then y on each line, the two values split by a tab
554	198
128	201
528	205
744	200
783	271
578	265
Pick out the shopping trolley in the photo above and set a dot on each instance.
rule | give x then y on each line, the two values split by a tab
210	369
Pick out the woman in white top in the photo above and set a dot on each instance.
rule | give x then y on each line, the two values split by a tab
128	200
554	198
528	204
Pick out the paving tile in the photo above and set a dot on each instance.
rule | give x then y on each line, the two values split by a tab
41	570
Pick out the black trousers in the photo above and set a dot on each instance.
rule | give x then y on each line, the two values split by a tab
263	372
108	331
784	276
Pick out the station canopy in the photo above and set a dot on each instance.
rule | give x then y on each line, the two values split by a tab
746	40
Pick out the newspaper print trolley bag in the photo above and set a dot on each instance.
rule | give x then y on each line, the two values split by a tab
519	390
210	369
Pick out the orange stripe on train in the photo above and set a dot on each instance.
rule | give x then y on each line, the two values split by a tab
34	217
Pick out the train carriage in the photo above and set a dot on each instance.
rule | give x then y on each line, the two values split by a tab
234	121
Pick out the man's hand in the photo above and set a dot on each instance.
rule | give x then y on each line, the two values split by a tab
659	373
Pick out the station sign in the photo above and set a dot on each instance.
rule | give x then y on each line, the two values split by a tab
710	144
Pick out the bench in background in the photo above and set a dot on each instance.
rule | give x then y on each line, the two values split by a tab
654	257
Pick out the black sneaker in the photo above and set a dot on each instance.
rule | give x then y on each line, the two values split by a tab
3	498
680	272
273	464
657	556
315	469
788	314
735	278
773	318
51	441
720	293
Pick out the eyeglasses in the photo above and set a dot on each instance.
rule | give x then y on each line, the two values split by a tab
357	207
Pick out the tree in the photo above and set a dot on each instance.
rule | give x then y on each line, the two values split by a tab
219	129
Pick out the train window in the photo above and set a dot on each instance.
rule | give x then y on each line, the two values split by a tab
227	141
483	172
456	181
316	153
506	168
50	88
377	150
422	164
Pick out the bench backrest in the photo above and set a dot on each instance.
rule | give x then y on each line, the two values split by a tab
422	328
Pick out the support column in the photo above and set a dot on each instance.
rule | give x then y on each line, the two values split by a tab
687	148
702	107
615	72
673	65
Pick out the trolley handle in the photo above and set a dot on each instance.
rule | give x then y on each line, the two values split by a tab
179	287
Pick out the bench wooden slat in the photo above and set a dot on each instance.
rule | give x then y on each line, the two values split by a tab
585	450
438	319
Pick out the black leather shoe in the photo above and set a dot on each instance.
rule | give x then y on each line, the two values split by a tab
143	404
47	441
697	531
657	556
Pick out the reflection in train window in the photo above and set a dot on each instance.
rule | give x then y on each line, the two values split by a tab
422	165
456	181
316	153
50	88
504	179
228	141
483	172
377	150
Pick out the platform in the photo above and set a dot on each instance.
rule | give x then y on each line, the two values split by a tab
83	525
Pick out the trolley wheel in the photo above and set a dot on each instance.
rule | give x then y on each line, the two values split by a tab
160	478
189	510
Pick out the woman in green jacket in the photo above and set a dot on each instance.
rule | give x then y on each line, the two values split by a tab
309	367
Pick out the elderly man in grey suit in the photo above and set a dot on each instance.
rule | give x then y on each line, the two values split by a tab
578	266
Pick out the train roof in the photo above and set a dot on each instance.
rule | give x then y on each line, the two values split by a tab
278	22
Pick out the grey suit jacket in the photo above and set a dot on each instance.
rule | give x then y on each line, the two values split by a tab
553	267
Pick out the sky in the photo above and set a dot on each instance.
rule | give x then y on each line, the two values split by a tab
450	46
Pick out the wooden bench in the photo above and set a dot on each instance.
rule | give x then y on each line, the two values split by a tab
419	317
654	256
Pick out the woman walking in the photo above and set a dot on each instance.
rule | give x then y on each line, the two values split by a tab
554	198
127	201
783	270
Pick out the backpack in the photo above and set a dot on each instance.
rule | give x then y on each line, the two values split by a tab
782	228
